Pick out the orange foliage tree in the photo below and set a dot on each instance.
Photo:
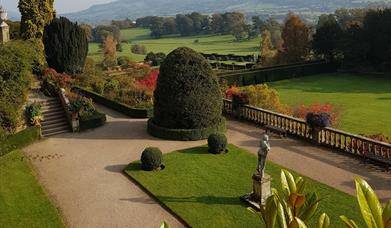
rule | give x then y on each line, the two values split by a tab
109	51
296	39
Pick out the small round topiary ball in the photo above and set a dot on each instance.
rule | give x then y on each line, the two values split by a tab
151	159
217	143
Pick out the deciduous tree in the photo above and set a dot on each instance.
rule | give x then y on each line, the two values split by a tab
296	39
109	51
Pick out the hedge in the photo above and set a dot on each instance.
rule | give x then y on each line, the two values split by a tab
252	69
184	134
262	75
247	58
117	106
19	140
96	120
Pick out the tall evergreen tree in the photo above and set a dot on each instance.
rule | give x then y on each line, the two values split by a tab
328	34
36	14
66	46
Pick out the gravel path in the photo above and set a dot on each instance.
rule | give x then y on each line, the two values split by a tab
82	172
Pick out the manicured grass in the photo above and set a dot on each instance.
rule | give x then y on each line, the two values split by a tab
22	201
221	44
19	140
204	189
364	101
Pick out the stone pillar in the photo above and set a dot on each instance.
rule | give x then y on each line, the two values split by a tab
4	28
261	191
4	32
261	188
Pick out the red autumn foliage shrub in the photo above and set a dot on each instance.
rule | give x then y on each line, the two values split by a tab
301	111
149	83
60	79
231	91
380	137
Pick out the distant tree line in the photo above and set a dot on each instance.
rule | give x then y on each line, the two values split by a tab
361	37
195	24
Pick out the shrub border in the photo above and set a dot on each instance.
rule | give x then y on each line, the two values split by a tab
117	106
97	120
184	134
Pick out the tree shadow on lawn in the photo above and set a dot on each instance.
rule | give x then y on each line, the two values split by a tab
195	150
134	166
212	200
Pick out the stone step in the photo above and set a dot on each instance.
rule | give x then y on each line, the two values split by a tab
54	125
56	130
51	109
60	116
53	113
56	133
54	120
51	100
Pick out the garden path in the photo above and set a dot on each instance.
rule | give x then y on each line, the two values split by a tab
82	172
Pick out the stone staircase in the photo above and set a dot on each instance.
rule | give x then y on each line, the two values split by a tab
55	121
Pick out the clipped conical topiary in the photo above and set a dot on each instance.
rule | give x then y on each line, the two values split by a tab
187	95
66	46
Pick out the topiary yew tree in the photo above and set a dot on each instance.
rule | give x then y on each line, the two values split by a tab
187	95
66	46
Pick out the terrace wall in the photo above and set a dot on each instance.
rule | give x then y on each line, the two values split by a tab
378	152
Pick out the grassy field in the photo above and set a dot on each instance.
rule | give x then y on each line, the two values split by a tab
22	201
204	189
222	44
364	101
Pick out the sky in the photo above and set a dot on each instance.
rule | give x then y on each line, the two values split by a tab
62	6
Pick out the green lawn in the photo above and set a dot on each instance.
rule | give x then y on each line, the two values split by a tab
364	101
204	189
19	140
22	201
221	44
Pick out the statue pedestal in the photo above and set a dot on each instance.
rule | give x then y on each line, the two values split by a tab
261	191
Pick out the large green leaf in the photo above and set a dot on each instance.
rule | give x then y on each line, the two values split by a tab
268	211
164	225
323	221
370	206
271	211
297	223
309	208
348	222
387	214
288	182
281	217
300	184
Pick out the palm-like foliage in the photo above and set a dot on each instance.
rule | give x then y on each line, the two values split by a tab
292	208
374	215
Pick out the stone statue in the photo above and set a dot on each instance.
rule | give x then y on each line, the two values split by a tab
262	154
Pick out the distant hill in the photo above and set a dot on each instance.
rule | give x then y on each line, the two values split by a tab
13	16
133	9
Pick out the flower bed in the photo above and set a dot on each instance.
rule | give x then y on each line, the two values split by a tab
117	106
